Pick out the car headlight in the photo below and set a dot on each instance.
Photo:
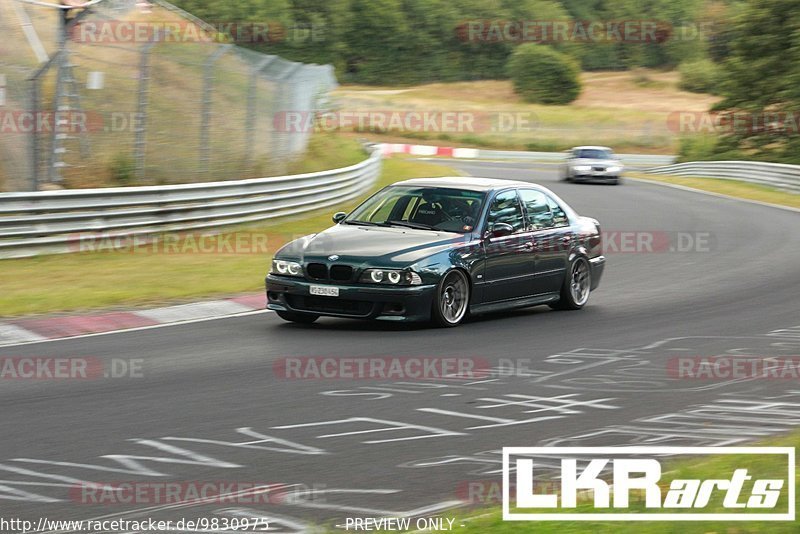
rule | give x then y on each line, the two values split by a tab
615	168
287	268
582	168
390	277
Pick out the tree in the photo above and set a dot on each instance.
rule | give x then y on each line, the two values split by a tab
699	76
761	78
416	41
543	75
374	39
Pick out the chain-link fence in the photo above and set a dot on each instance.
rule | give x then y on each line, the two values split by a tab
143	93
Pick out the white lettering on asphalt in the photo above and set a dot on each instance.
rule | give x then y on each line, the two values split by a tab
290	447
560	406
383	426
134	465
16	494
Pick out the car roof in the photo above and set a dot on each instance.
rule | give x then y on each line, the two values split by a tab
470	183
590	147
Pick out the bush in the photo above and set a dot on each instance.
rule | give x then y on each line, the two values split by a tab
699	76
706	147
543	75
122	169
696	147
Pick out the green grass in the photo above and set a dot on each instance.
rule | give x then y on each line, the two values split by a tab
713	467
733	188
327	151
95	280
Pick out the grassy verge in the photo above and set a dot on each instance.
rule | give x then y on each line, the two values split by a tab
326	151
109	279
714	467
630	111
731	188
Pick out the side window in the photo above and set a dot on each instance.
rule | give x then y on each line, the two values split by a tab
559	215
505	208
537	209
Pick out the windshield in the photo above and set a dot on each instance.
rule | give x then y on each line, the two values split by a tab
426	208
593	153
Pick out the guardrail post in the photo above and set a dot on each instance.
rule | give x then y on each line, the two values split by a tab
208	86
252	108
281	147
35	106
140	128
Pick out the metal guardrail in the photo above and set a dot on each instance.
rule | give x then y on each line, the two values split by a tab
773	174
628	159
50	222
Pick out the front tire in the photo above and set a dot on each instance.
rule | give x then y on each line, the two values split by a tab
293	317
577	286
451	303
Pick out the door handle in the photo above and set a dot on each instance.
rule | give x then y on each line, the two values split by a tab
566	240
529	245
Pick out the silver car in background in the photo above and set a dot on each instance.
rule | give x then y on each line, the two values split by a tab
592	164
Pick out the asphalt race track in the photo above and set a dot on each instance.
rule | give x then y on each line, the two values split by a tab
709	276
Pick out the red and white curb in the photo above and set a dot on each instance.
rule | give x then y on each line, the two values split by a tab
36	329
429	150
388	149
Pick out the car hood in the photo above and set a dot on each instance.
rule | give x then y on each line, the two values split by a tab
371	245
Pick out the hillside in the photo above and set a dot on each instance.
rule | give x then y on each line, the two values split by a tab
631	111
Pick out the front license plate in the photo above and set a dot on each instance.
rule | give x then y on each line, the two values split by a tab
324	291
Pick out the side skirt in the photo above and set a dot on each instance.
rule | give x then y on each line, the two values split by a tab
523	302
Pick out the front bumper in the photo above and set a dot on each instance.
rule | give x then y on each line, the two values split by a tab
595	176
406	303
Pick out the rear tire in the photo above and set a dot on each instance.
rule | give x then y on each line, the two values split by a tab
293	317
577	286
451	303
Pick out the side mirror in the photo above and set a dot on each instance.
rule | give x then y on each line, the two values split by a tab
339	216
500	230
